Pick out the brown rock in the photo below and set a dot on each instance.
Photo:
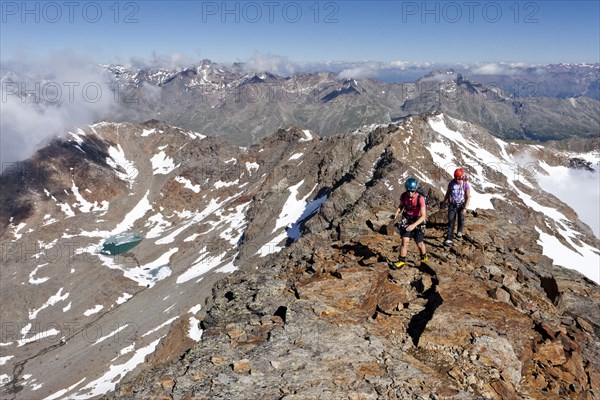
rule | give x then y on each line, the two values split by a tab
167	382
197	376
549	329
594	376
218	360
551	351
575	366
500	295
234	332
510	279
394	297
568	343
536	382
505	390
585	325
242	366
371	369
469	310
175	343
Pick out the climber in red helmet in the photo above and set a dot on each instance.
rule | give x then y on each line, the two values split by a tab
457	196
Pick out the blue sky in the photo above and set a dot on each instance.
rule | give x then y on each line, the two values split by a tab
530	32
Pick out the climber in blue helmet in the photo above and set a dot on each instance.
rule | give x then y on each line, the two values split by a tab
413	209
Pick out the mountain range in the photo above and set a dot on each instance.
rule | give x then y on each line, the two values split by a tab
149	260
219	101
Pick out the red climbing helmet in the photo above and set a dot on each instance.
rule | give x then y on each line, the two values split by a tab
459	173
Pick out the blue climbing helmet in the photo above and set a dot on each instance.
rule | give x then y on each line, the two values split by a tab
411	184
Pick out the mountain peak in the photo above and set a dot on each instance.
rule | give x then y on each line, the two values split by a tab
442	74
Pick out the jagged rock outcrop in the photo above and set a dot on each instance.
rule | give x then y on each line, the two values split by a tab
329	319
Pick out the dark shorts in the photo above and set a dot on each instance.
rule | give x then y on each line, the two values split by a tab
418	233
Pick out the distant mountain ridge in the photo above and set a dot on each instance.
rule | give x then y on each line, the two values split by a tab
531	103
217	100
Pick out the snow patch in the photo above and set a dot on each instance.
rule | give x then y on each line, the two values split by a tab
201	265
147	274
192	237
195	333
93	310
38	336
251	166
307	136
294	230
159	225
148	132
50	302
132	216
220	184
4	360
158	328
195	309
162	164
109	380
188	184
16	230
118	160
84	205
37	281
584	260
111	334
124	298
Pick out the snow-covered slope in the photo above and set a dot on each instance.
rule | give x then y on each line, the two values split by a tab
532	175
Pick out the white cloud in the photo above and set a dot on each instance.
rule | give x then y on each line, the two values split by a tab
63	90
498	68
579	189
275	64
363	70
375	69
408	64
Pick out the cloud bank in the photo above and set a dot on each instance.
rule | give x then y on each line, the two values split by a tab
579	189
42	97
277	65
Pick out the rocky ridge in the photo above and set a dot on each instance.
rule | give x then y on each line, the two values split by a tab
327	318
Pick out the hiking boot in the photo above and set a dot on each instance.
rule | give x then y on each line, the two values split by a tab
398	264
459	235
424	258
448	242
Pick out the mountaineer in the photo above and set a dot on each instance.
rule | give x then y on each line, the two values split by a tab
457	196
413	208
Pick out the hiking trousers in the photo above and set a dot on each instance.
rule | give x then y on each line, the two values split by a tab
454	211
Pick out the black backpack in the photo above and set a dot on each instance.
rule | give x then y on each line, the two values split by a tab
426	196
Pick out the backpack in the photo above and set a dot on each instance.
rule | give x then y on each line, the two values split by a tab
427	196
420	193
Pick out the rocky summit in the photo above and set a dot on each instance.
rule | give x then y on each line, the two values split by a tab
328	319
150	261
